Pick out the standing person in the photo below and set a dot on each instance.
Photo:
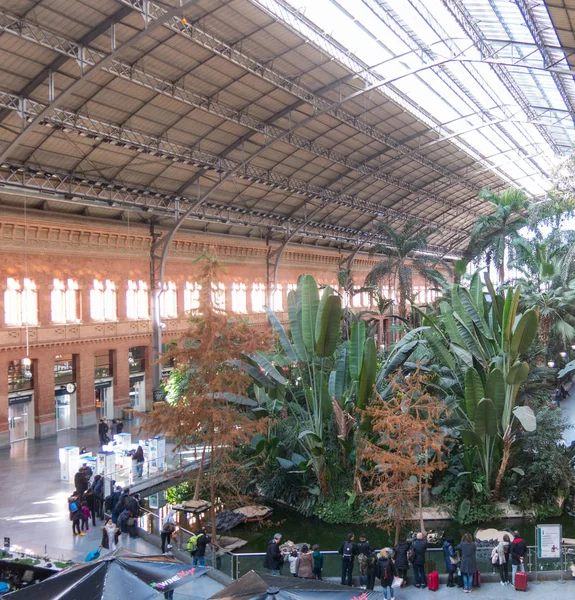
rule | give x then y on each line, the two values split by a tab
363	550
304	563
292	560
518	551
113	428
75	511
386	572
468	564
557	397
451	560
120	426
90	500
139	459
81	483
197	547
114	498
110	535
168	528
87	471
317	561
274	559
347	551
134	508
98	489
103	432
401	561
503	558
85	517
419	549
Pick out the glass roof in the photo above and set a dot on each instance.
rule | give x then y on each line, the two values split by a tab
471	70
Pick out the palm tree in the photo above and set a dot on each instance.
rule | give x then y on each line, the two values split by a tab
492	234
404	259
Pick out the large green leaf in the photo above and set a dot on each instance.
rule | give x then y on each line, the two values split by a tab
495	390
568	368
485	418
473	392
368	370
495	304
295	325
328	325
518	373
284	340
309	308
526	417
476	292
509	312
449	323
525	332
356	344
470	438
324	397
440	351
395	361
340	375
469	339
458	307
269	369
253	372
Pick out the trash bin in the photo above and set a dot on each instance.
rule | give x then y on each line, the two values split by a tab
128	414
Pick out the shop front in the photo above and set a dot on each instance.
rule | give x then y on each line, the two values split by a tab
137	360
104	397
20	400
65	392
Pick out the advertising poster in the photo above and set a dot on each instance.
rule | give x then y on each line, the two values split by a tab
548	541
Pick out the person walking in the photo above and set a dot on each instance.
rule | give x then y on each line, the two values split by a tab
451	560
419	547
168	529
518	551
75	512
363	550
317	562
503	559
385	571
110	536
274	559
401	560
120	426
304	563
139	460
348	551
468	563
103	432
199	556
113	428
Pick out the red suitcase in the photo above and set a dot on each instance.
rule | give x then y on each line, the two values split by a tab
521	581
433	581
477	579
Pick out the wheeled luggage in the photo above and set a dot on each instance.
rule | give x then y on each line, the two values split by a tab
521	581
433	581
477	579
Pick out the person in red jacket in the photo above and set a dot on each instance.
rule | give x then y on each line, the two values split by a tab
518	552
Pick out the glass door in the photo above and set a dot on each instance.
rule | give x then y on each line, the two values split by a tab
63	412
18	421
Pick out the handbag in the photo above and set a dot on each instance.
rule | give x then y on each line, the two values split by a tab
130	522
397	582
454	560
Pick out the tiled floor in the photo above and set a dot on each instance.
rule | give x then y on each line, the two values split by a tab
33	507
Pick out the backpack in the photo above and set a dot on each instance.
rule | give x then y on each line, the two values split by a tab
347	550
365	563
168	527
73	507
192	544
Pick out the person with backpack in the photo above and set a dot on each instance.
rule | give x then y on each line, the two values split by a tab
518	552
196	546
121	510
347	551
168	529
132	521
401	559
451	560
317	561
419	548
75	511
385	571
363	550
274	559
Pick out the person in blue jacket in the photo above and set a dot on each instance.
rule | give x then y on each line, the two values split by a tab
449	553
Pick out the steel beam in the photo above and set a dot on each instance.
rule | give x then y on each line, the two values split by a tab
179	92
88	75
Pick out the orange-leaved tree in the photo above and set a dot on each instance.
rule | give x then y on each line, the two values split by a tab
208	406
408	447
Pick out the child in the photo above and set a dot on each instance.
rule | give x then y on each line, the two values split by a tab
317	561
85	517
292	559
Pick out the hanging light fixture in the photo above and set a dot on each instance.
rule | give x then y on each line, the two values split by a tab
551	364
562	354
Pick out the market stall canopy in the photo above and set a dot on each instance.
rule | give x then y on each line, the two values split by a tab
255	586
118	575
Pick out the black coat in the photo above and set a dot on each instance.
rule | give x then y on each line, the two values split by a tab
102	429
385	567
274	559
80	482
419	547
518	550
202	542
363	548
401	550
133	506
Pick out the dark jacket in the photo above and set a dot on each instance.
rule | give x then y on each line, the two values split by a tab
385	571
98	488
202	542
114	497
351	550
518	550
274	559
401	550
449	551
363	548
75	515
80	482
419	547
122	503
317	559
133	506
102	429
90	499
468	564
